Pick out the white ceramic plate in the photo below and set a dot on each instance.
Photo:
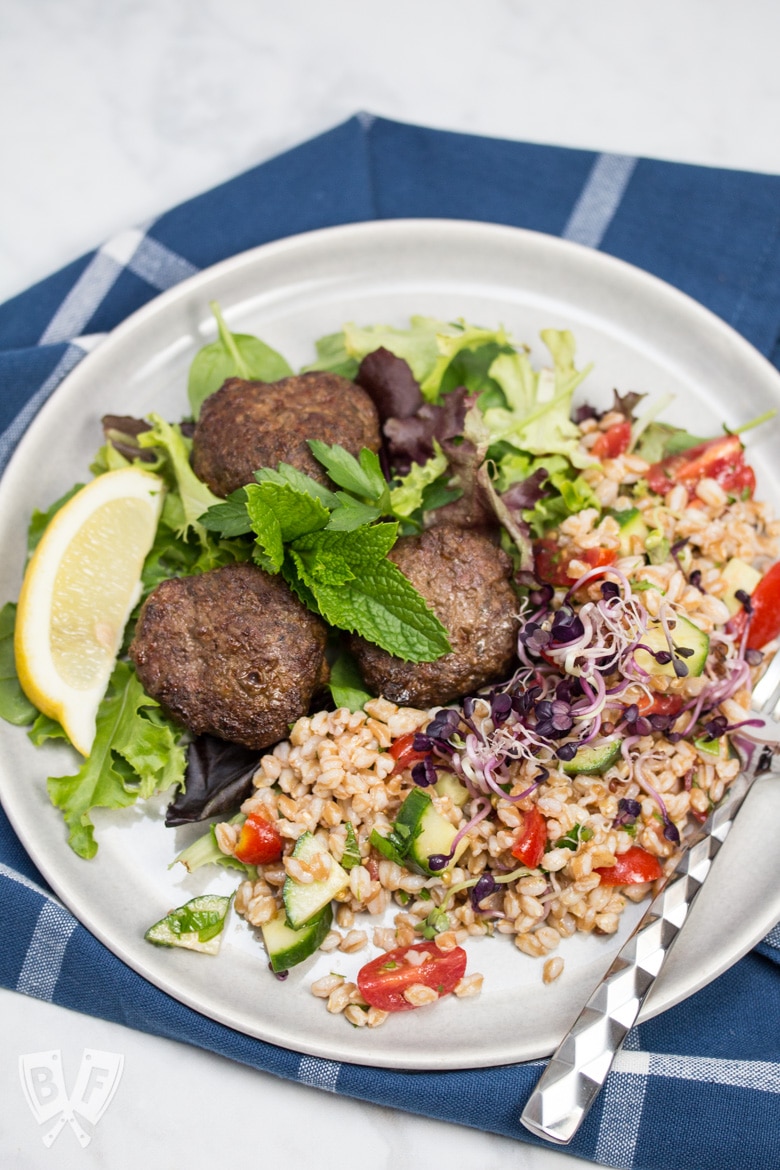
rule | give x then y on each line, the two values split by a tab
642	335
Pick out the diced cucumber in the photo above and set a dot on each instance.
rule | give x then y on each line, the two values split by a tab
429	833
589	761
712	747
449	785
685	636
738	575
196	926
657	547
287	947
303	902
633	531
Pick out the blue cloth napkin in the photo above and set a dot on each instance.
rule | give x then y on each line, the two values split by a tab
700	1085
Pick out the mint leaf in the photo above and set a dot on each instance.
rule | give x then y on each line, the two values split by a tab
286	473
232	355
297	513
386	609
363	477
361	548
350	514
135	752
322	568
269	549
299	588
15	707
230	518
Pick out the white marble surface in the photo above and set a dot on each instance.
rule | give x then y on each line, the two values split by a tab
115	110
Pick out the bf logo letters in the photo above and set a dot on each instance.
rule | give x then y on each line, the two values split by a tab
43	1082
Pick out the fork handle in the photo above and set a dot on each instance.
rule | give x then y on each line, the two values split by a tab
579	1066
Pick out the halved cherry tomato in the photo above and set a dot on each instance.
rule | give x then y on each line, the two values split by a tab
765	603
402	751
259	841
634	866
384	980
660	705
532	839
551	563
613	442
721	459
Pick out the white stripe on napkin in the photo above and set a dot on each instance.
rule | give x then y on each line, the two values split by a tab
773	938
158	265
624	1098
599	199
43	961
131	249
742	1074
70	358
14	876
320	1074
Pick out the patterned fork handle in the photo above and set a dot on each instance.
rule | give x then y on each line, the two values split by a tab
578	1068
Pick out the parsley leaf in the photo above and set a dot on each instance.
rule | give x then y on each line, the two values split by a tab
363	476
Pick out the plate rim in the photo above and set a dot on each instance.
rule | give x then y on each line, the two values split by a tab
190	288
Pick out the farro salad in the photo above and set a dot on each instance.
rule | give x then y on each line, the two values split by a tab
551	798
509	743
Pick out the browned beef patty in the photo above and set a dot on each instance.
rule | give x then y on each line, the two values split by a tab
231	652
464	577
248	425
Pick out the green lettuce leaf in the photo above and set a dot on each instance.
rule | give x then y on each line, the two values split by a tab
537	419
15	707
408	495
194	498
429	346
136	752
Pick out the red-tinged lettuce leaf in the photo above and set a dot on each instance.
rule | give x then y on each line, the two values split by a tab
217	781
389	382
410	440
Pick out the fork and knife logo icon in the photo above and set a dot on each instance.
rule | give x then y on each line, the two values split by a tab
43	1082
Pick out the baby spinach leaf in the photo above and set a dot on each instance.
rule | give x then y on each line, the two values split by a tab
232	355
346	684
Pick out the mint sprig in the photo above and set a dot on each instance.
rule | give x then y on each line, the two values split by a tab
332	552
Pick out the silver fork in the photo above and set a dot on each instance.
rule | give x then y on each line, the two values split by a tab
579	1066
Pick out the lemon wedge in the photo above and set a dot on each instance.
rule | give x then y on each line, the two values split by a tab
79	589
